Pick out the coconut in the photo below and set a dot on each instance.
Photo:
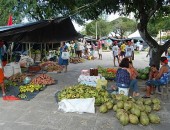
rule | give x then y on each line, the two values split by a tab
148	102
143	114
144	120
124	97
147	109
119	113
139	102
115	108
120	104
103	108
127	106
113	96
156	107
154	118
133	119
141	99
124	119
156	101
119	97
136	106
109	105
131	99
141	108
135	111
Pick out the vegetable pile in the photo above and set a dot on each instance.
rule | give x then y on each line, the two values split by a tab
17	77
43	79
51	66
108	73
76	60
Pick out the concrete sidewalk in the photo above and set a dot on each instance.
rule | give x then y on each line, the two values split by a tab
41	113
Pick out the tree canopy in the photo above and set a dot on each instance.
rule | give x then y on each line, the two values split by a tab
81	10
103	28
123	25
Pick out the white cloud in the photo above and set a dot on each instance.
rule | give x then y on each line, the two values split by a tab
112	16
77	27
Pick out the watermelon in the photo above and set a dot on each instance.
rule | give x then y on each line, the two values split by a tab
144	76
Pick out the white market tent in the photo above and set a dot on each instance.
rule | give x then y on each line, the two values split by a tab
135	34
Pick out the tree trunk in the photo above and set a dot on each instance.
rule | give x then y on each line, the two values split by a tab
157	49
156	55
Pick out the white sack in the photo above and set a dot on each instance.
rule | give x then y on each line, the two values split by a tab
77	105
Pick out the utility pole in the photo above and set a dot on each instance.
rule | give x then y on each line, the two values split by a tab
160	36
96	29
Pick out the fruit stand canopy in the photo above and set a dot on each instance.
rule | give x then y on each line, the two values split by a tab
44	31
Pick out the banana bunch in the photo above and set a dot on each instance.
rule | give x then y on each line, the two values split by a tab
30	88
83	91
22	95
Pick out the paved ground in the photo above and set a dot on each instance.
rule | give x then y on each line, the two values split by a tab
41	113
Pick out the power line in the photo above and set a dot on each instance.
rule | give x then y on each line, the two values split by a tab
82	8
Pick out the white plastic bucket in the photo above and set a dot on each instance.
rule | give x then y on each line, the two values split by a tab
124	91
8	71
16	67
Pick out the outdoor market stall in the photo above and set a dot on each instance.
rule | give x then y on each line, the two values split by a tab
41	32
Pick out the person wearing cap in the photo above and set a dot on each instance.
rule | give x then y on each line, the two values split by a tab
161	76
115	50
129	51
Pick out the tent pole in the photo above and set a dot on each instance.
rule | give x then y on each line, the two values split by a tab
45	49
29	50
52	46
26	47
41	52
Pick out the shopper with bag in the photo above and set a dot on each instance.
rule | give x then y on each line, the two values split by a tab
64	56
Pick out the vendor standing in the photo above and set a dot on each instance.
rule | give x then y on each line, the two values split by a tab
63	62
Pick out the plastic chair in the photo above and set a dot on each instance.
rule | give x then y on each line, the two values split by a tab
164	88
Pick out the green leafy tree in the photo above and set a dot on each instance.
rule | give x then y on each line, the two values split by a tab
144	10
81	10
103	28
7	7
161	23
123	25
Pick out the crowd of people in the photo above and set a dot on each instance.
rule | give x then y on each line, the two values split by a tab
125	50
80	49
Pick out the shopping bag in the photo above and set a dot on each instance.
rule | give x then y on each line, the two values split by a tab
77	105
65	55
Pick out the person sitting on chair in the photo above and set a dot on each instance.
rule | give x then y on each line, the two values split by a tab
157	81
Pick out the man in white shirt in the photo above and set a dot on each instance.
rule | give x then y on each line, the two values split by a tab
129	51
115	50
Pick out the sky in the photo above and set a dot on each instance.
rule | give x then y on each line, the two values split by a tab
109	18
